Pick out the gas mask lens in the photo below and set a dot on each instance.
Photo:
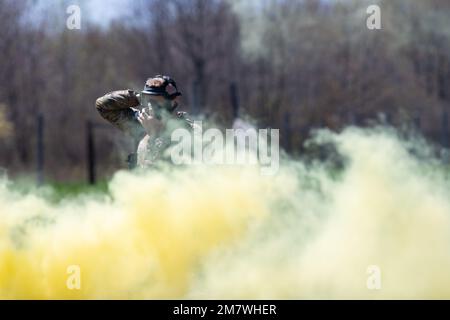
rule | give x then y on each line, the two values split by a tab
170	89
145	100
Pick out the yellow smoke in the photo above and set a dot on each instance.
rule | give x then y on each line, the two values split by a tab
229	232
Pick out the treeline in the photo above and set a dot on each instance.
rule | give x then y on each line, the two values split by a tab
293	65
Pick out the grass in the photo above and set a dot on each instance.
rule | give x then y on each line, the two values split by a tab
66	190
58	191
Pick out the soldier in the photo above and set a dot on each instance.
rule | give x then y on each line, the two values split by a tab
148	116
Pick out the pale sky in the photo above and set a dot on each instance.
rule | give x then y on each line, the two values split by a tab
103	11
98	11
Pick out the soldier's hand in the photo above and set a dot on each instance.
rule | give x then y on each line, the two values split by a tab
151	124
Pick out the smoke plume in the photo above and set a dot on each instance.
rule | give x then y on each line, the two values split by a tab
311	231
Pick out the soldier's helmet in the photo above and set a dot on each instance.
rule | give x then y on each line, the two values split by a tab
162	86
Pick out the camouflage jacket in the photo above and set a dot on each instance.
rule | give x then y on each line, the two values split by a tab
120	108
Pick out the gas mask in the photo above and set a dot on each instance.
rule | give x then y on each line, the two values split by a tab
163	86
147	101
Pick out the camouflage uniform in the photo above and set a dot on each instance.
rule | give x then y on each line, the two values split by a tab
121	108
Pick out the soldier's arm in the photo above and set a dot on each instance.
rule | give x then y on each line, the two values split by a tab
116	107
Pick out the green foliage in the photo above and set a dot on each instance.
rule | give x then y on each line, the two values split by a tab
75	189
58	191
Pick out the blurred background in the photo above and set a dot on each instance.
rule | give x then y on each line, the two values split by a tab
295	65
